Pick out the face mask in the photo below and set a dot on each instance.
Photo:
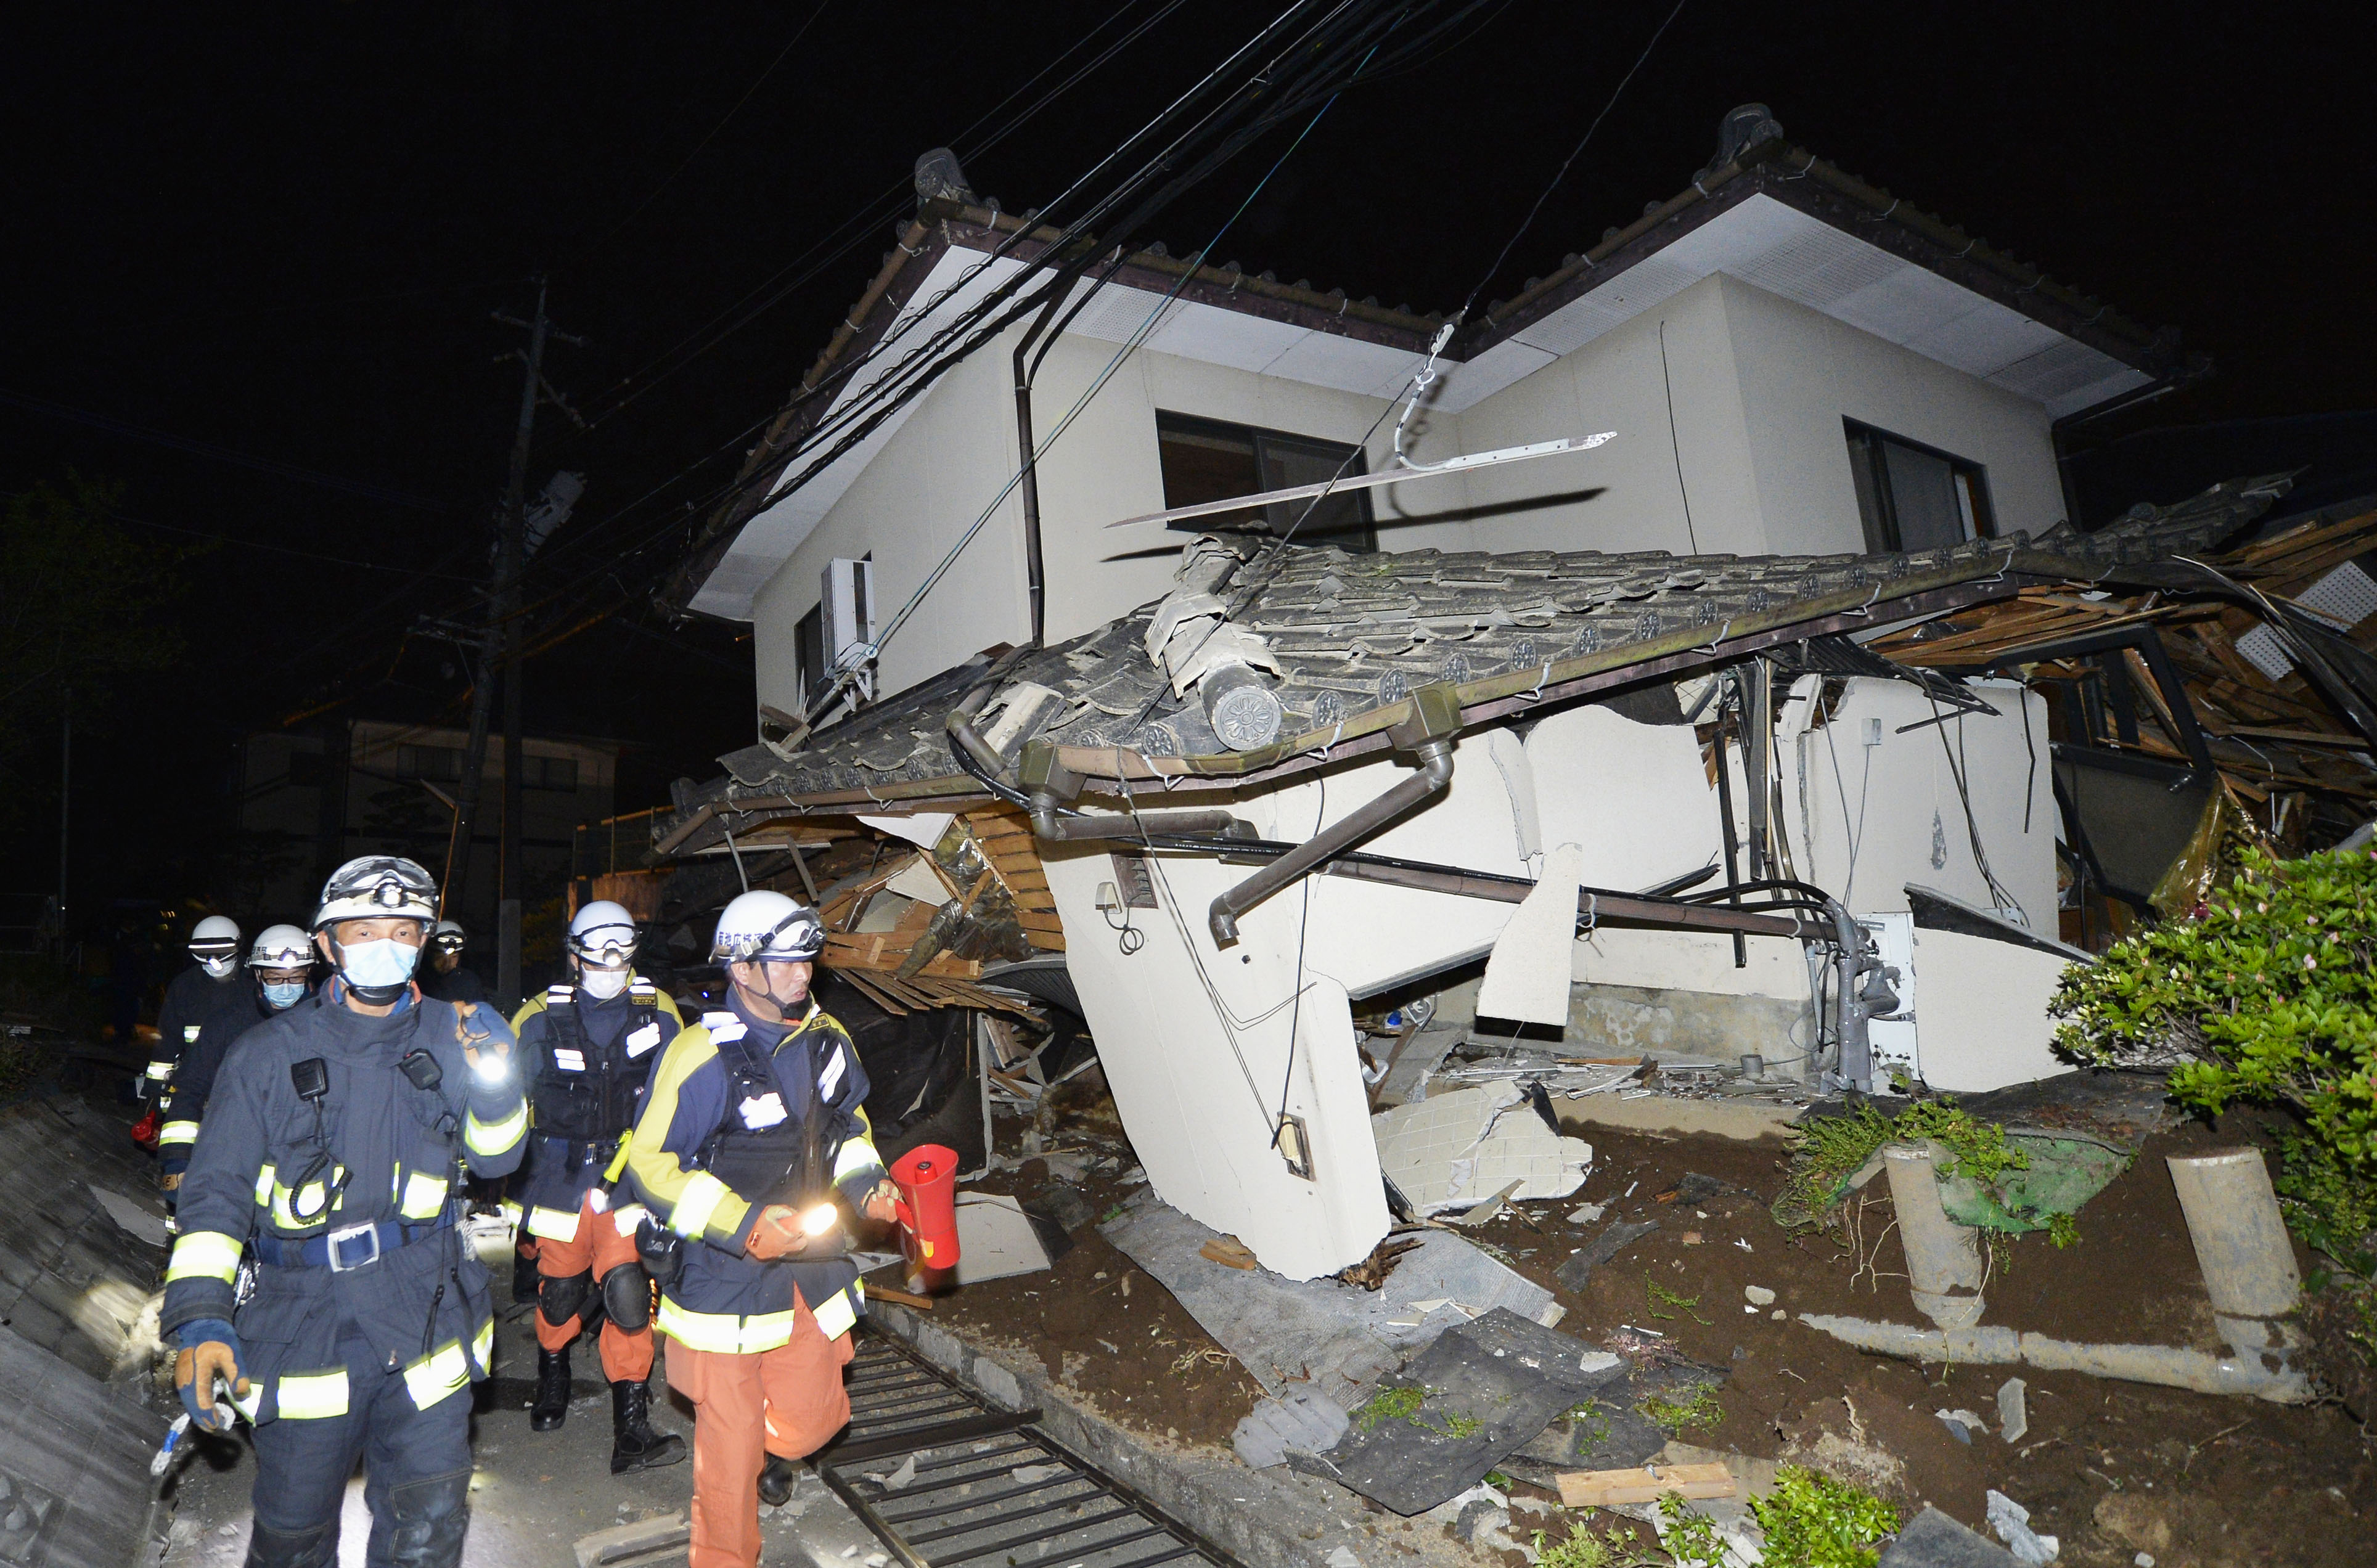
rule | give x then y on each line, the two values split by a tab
220	968
602	985
377	965
280	996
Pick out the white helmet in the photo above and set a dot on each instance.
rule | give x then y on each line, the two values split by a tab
767	925
448	936
378	888
603	932
217	936
282	948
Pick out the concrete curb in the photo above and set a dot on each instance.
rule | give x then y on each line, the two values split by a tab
1266	1518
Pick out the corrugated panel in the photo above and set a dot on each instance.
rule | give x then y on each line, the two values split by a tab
1818	267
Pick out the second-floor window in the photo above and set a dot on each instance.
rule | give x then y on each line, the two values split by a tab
1211	461
1915	497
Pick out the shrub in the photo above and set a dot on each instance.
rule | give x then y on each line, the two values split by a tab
2264	998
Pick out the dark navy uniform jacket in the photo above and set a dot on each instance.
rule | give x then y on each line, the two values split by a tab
384	1206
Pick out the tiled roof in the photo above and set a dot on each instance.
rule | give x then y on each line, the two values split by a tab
1355	635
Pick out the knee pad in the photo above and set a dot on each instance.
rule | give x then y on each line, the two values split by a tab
560	1297
317	1547
430	1519
627	1296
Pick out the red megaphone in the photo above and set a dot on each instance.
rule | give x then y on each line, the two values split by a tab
927	1178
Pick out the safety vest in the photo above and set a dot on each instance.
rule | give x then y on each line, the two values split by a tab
588	1093
766	1151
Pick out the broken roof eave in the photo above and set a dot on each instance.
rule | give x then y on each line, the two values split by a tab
1110	771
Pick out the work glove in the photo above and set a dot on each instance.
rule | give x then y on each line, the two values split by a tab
210	1349
775	1234
880	1202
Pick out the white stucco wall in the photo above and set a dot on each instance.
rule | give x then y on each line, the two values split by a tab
1800	374
1728	402
927	485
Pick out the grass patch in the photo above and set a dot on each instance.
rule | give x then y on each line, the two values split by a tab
1660	1295
1827	1152
1409	1407
1674	1416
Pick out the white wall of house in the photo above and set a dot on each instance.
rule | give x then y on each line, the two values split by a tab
923	490
1800	373
1727	401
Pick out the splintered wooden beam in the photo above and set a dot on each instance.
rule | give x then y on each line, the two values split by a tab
1607	1488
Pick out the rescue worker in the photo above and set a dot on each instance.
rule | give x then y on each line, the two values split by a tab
334	1146
198	993
586	1052
751	1127
278	966
445	978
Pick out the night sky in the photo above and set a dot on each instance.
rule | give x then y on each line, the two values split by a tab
275	233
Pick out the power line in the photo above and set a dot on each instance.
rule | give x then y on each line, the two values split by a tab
851	233
757	82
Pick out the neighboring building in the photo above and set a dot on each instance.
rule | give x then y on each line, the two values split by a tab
309	800
1793	361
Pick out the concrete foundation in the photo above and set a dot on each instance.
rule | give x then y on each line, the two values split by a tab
1627	1019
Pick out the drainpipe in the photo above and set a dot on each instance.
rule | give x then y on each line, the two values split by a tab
1035	581
1426	733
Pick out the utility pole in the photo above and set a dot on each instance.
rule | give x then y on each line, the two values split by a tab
500	645
65	802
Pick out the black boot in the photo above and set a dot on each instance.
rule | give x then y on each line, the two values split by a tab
776	1480
634	1445
550	1406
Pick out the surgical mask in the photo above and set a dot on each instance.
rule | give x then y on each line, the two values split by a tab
602	985
220	968
377	965
280	996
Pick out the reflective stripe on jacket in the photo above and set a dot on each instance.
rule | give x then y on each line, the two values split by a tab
723	1299
392	1154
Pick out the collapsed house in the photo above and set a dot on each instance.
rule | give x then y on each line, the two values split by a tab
1679	806
1770	784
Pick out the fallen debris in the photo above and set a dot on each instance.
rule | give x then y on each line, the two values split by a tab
996	1239
1229	1251
661	1533
2011	1520
1336	1339
1299	1420
1473	1396
1454	1151
2014	1409
1935	1540
1648	1483
1612	1240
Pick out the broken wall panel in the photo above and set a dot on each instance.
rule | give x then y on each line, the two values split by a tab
1867	824
1982	1021
1195	1037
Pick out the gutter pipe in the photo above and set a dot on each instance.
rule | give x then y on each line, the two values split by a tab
1035	581
2160	1364
1435	757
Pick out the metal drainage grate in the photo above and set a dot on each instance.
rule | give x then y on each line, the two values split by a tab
987	1486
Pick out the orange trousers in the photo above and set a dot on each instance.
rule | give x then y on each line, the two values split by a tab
597	1248
786	1402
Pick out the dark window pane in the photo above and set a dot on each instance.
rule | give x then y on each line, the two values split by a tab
1342	519
1206	460
1911	497
810	639
1923	495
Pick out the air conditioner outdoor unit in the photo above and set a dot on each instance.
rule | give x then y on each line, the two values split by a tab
846	593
